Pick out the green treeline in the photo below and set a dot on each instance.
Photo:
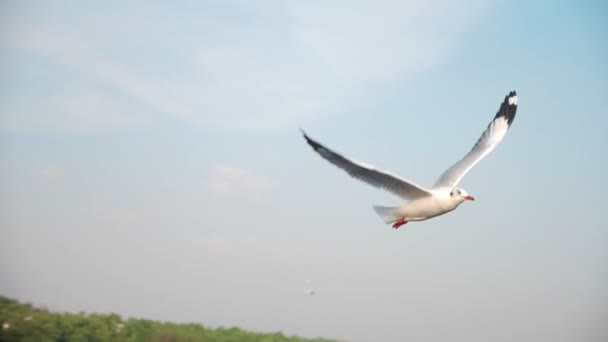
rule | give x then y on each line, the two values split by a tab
25	323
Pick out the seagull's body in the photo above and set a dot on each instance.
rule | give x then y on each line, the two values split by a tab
420	209
445	195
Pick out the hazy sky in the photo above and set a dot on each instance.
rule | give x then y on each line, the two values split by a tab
151	165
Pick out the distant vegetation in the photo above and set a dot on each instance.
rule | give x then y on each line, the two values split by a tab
25	323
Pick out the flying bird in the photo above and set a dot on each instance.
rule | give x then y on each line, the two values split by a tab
310	291
445	195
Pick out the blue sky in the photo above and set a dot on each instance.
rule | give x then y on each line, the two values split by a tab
151	165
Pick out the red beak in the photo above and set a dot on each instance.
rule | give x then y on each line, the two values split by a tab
469	197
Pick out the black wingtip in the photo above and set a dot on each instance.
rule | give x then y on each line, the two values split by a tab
508	108
315	145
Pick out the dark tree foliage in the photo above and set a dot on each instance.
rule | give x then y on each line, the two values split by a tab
25	323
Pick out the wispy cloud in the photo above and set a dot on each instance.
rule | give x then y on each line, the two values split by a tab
52	172
77	112
235	183
241	64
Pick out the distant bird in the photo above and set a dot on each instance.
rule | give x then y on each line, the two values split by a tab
310	291
445	195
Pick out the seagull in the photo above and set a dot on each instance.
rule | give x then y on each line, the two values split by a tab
445	195
310	291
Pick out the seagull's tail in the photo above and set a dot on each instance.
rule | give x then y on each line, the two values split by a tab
387	214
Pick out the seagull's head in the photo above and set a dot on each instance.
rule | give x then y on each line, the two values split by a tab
461	195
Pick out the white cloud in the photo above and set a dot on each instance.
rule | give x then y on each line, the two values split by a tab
363	42
233	182
250	65
85	111
52	172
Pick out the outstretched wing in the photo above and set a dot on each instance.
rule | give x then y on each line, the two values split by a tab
496	131
370	174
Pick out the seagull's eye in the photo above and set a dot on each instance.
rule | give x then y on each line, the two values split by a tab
459	192
451	193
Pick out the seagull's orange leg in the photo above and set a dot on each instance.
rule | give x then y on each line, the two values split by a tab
399	223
